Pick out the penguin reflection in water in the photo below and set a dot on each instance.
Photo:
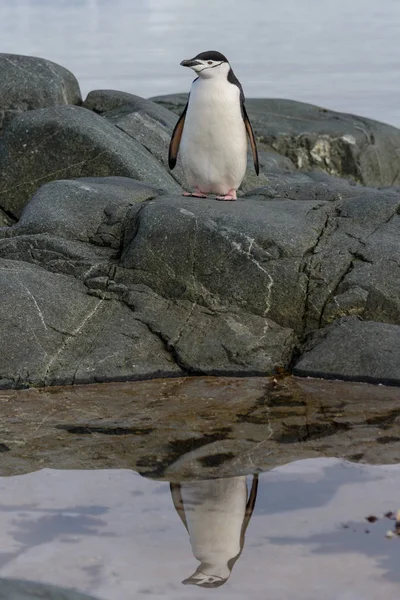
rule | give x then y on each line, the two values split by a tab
211	134
216	514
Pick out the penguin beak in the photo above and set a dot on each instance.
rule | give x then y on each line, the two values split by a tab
190	63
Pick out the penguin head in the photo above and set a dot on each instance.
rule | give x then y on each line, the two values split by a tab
207	65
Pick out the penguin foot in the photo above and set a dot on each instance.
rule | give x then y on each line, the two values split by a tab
231	195
196	194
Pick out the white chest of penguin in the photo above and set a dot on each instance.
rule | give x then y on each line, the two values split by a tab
214	143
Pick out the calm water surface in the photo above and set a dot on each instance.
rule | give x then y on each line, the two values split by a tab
120	536
168	497
342	54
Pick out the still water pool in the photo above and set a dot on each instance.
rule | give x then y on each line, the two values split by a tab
185	488
120	536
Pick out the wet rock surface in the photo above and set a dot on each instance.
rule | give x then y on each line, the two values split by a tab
189	428
111	274
13	589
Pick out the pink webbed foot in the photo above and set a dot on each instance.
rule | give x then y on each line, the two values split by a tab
196	194
231	195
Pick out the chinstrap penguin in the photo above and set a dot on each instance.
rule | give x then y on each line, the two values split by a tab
216	514
211	133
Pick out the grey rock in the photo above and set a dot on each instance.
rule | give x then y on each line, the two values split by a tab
304	186
116	280
213	342
340	144
66	142
115	105
351	302
6	220
66	208
75	227
15	589
121	264
349	146
356	248
152	134
67	327
353	349
224	256
143	120
57	333
101	101
173	102
28	83
376	264
270	162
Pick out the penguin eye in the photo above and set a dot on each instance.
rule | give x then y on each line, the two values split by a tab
210	62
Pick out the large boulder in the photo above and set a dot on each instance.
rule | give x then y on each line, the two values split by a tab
152	134
173	102
61	333
243	256
121	267
66	208
28	83
114	104
58	333
64	142
118	280
317	138
354	349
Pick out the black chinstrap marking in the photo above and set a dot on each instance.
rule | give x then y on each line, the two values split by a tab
212	67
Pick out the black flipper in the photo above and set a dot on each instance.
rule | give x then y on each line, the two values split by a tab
252	139
178	502
251	502
176	139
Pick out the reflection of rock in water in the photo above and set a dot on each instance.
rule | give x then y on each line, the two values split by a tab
198	427
216	514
